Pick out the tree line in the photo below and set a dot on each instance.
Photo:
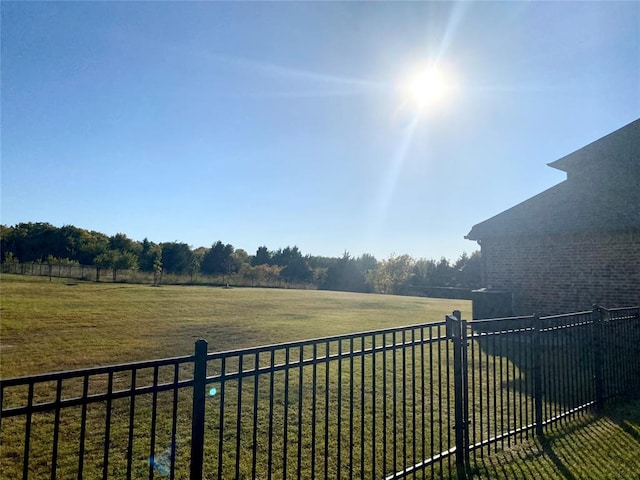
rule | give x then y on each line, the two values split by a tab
398	274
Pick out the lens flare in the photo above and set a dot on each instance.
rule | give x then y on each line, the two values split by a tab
161	463
212	392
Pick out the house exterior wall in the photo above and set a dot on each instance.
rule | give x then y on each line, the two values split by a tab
564	273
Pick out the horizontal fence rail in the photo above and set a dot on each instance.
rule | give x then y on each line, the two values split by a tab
421	401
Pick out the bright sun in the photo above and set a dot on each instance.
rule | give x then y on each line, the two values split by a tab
426	87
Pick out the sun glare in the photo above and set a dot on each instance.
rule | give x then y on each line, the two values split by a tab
426	87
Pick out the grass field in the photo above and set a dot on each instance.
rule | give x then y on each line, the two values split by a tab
56	325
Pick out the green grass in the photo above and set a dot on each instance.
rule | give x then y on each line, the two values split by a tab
591	448
57	325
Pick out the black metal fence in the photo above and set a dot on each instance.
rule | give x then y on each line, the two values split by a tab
415	402
519	377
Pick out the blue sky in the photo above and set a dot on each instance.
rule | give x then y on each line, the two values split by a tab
285	123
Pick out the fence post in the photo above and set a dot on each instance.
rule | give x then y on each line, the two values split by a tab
457	335
197	419
597	316
465	384
537	376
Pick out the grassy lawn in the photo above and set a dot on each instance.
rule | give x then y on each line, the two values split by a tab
57	325
592	448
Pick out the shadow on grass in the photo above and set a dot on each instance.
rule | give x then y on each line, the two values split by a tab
606	447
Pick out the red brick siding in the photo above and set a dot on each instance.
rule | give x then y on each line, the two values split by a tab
565	273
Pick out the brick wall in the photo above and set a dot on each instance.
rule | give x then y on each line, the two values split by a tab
564	273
